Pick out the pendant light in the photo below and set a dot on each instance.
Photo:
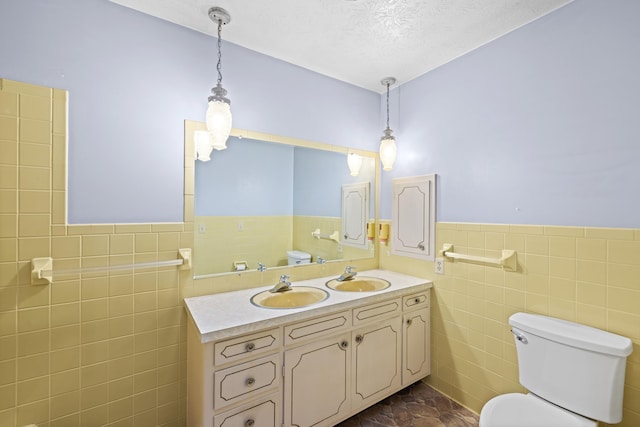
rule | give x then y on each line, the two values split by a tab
387	142
354	161
219	111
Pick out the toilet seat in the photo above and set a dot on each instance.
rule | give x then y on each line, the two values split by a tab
528	410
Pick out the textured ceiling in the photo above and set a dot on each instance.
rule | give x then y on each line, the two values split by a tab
357	41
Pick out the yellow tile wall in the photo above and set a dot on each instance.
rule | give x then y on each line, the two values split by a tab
95	349
587	275
303	226
245	239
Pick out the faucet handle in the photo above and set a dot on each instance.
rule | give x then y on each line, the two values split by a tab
284	278
350	269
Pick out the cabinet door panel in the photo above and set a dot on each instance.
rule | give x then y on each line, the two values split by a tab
316	389
315	328
417	360
379	310
265	413
413	217
415	301
237	348
376	361
244	381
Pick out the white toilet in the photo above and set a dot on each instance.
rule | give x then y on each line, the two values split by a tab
574	374
298	258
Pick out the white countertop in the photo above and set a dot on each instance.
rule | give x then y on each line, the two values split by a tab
231	313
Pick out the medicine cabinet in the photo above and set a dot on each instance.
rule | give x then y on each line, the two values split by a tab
414	217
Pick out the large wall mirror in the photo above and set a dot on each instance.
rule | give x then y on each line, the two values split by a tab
276	201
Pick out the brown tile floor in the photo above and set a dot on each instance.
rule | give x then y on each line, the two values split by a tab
415	406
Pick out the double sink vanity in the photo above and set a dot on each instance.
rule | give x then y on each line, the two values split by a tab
311	355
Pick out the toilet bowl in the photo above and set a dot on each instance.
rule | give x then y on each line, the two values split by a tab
528	410
574	374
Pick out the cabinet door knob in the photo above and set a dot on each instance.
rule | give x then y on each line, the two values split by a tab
421	247
344	344
409	322
359	338
250	381
250	346
249	423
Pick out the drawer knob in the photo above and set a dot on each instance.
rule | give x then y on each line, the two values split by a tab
249	423
417	300
409	322
250	381
344	344
250	346
359	338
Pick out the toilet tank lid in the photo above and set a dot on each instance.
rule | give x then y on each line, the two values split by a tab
298	255
573	334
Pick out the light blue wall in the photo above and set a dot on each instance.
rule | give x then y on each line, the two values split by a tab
133	80
537	127
249	178
541	126
317	184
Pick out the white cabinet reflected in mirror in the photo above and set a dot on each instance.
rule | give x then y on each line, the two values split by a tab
258	200
355	203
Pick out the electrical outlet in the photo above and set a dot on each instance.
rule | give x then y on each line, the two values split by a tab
439	265
240	226
202	228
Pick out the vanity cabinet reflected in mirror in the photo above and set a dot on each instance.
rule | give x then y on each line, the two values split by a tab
258	200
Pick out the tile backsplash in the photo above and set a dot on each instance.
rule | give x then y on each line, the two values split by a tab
583	274
91	349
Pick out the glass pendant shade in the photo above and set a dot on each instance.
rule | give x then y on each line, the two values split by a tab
355	163
387	150
203	145
219	123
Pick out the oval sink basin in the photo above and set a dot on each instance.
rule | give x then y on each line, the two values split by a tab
297	297
359	284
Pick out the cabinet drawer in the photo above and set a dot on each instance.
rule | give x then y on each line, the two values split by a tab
246	380
376	311
263	413
247	345
417	300
302	331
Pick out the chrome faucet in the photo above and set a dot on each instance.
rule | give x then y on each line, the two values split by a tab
321	260
349	274
282	286
262	267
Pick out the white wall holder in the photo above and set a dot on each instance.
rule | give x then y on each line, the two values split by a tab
335	236
42	268
508	262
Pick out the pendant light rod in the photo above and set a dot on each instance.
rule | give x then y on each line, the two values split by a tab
387	142
222	17
388	81
218	117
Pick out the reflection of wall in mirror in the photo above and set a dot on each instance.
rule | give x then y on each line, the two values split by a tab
257	200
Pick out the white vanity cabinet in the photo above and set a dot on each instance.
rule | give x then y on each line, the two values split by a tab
314	370
416	353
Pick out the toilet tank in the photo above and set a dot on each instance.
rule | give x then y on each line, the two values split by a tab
298	257
574	366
